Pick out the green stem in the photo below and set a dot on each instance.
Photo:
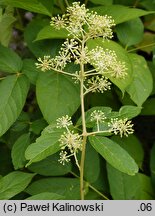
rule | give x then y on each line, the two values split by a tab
92	187
83	127
67	4
98	192
148	45
61	5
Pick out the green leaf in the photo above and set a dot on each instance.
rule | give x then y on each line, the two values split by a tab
37	126
114	154
92	164
148	107
50	166
57	95
6	24
10	62
141	86
13	92
89	123
133	146
121	13
40	48
34	6
122	56
102	2
46	196
131	32
49	32
14	183
67	187
18	151
125	187
129	111
30	70
47	144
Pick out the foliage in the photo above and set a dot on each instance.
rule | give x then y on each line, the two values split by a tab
76	93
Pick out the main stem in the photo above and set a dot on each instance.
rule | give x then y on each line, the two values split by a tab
82	192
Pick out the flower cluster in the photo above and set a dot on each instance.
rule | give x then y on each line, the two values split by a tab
69	139
121	126
83	25
78	17
98	84
98	116
116	126
105	62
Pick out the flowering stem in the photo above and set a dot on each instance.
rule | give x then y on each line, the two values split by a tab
63	72
92	187
83	127
98	132
84	137
67	4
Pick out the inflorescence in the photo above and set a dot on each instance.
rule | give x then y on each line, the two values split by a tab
82	25
72	141
102	64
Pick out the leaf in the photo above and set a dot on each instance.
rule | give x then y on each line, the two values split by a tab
133	146
40	48
130	32
57	95
92	164
47	144
67	187
18	151
34	6
122	56
102	2
46	196
89	123
114	154
14	183
125	187
129	111
49	32
30	70
121	13
37	126
6	24
13	92
141	86
148	43
124	112
148	107
10	62
50	166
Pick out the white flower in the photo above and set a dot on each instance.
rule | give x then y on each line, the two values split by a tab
121	126
102	59
98	84
61	60
64	121
77	13
97	115
58	22
63	157
100	26
45	64
118	70
71	140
